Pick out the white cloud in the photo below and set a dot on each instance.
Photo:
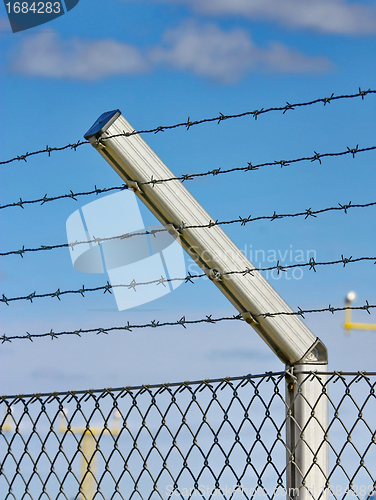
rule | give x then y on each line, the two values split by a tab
226	56
46	55
328	16
206	51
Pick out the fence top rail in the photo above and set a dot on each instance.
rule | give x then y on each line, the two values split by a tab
338	374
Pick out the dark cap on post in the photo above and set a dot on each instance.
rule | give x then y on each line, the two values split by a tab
102	124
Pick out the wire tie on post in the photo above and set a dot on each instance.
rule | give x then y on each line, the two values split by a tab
248	271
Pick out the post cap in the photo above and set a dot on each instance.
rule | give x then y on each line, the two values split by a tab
102	124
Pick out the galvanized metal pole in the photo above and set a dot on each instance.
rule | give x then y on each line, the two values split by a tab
290	339
307	432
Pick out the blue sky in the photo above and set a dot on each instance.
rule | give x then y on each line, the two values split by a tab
160	62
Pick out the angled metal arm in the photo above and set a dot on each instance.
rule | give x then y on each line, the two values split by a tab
211	248
290	339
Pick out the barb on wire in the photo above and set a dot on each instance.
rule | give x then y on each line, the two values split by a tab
283	163
189	123
243	221
181	322
312	264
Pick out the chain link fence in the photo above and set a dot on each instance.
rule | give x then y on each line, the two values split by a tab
221	438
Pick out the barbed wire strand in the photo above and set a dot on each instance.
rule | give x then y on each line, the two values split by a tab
189	123
283	163
183	322
312	264
241	220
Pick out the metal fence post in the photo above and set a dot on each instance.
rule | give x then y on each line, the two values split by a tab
255	299
307	431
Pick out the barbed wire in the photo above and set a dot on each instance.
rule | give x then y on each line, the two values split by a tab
70	195
283	163
312	264
182	322
189	123
241	220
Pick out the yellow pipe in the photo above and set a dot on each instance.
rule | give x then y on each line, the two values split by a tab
88	458
359	326
349	325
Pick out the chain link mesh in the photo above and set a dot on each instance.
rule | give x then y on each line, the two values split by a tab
221	438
